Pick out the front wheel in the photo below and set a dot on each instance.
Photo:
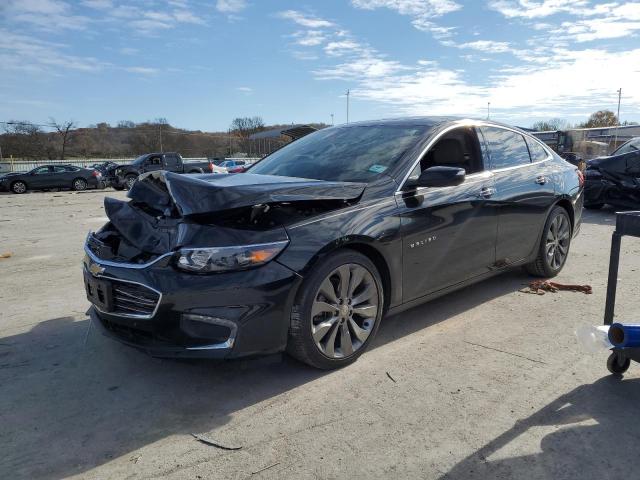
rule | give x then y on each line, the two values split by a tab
337	312
18	187
554	245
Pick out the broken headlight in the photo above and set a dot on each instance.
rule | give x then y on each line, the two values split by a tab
224	259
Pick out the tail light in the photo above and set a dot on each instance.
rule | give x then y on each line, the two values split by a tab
211	166
96	174
580	178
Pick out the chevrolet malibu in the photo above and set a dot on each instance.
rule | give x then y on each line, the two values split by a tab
308	250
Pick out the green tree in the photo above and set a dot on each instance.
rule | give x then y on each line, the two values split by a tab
601	118
551	124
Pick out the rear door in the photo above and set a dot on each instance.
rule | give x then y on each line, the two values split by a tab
524	190
172	163
449	233
61	176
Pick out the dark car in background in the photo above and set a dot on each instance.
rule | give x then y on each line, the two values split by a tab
615	179
48	177
316	242
124	176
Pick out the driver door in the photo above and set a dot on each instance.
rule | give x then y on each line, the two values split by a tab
448	233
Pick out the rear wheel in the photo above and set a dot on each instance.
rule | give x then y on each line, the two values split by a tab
554	245
18	187
337	312
79	184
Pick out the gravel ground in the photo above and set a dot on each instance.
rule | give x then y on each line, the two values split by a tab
485	383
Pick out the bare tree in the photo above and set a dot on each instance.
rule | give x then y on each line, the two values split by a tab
246	126
64	129
551	124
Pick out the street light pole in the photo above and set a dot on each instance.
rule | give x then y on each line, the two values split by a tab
615	139
488	105
332	119
348	93
160	130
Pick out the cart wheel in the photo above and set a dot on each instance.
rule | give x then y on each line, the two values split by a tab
614	365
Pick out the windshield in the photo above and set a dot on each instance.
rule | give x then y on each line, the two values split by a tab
139	160
631	146
351	154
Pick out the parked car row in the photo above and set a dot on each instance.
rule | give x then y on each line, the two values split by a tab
111	174
48	177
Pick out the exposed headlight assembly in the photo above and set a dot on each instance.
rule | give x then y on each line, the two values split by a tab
224	259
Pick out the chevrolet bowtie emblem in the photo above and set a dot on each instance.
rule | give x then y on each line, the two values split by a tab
95	269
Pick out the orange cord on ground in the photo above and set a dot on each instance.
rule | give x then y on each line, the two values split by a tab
539	287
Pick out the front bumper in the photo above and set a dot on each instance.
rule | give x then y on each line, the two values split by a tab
225	315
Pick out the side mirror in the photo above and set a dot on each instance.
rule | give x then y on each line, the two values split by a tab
439	177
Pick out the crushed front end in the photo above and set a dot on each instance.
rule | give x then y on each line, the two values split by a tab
175	274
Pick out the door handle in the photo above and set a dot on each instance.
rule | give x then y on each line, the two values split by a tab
541	180
486	192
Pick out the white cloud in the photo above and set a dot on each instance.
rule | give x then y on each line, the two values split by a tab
305	20
52	15
231	6
142	70
310	38
25	53
488	46
422	12
98	4
245	90
536	9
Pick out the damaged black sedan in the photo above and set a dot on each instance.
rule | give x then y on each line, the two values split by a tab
315	243
615	180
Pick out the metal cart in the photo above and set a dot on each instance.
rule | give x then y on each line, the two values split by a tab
627	223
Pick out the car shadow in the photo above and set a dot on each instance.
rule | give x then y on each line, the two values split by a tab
593	434
73	400
604	216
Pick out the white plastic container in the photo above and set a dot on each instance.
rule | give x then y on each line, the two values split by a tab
593	339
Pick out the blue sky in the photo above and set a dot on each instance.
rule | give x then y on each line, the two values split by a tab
200	63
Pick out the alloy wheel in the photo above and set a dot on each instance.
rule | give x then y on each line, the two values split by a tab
344	310
130	181
19	187
557	242
79	184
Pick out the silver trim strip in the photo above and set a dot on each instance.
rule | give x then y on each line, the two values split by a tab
214	321
137	266
128	315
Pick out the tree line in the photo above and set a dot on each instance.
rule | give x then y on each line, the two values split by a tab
64	140
599	119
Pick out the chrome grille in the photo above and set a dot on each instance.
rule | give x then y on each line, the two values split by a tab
131	299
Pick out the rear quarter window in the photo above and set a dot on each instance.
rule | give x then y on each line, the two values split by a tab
537	151
506	148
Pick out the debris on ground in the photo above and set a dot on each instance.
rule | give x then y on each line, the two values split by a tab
391	378
265	468
6	255
540	287
213	444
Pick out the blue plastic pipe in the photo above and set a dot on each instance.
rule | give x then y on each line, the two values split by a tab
624	335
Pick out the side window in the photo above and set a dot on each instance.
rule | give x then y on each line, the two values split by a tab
458	148
506	148
41	170
537	151
59	169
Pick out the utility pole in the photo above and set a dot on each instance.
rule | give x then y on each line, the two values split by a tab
488	106
348	93
160	130
615	139
332	119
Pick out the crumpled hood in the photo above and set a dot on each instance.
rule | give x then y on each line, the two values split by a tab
209	193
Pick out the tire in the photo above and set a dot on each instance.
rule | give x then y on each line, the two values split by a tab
594	206
129	180
549	265
335	319
615	367
118	187
79	184
19	187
